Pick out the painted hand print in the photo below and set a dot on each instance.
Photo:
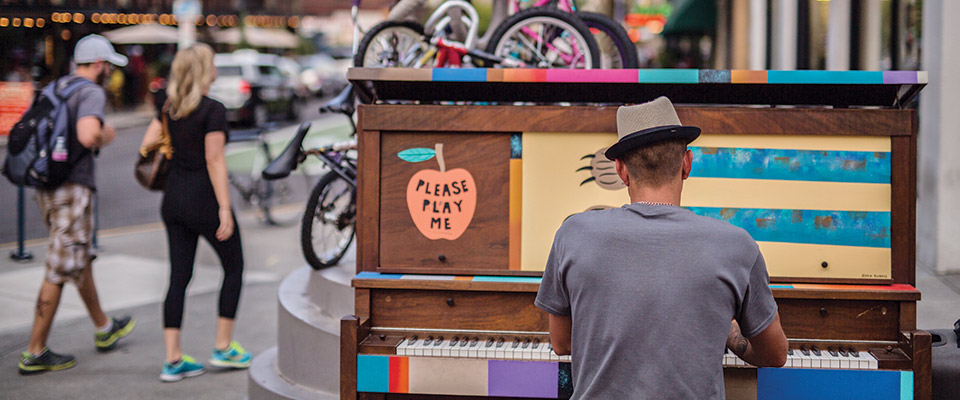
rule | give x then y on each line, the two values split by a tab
441	202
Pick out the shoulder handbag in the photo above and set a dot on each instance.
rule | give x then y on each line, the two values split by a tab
154	160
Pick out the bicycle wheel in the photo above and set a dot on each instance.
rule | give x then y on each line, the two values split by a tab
616	49
277	199
329	222
393	44
545	38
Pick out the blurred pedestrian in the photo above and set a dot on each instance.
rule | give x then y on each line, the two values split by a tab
115	86
68	212
196	202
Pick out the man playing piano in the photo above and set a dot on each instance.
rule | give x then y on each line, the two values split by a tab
643	295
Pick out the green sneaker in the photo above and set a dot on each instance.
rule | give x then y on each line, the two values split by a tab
233	357
45	361
121	328
185	368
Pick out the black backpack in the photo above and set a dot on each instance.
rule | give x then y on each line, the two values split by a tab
38	147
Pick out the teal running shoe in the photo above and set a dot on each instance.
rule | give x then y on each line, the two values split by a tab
185	368
233	357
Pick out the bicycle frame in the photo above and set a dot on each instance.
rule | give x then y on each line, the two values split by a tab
338	162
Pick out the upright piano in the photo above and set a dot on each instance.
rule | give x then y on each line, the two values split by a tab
465	175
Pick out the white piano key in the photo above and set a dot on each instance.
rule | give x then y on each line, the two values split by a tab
487	349
805	360
445	348
500	349
565	358
829	360
437	348
816	359
473	348
462	348
871	361
513	350
845	360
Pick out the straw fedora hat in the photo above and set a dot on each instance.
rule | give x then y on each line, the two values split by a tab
648	123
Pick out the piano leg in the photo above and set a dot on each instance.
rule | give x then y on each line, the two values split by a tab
349	343
919	350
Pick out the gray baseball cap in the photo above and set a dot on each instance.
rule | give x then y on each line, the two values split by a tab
93	48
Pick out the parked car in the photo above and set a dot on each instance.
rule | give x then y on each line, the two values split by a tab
292	70
323	74
253	88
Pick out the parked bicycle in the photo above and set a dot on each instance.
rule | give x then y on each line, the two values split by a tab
329	221
253	189
534	38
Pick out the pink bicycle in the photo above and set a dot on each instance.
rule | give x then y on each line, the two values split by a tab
539	37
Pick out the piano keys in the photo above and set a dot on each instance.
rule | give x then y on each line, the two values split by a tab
501	348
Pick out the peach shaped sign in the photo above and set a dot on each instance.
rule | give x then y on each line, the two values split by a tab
441	202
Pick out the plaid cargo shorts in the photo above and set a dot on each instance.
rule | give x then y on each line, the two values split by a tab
68	213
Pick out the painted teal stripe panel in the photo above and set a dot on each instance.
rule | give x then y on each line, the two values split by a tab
793	165
843	228
906	385
826	77
373	373
376	275
459	75
668	76
781	286
511	279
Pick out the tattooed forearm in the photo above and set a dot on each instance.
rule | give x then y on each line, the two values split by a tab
735	340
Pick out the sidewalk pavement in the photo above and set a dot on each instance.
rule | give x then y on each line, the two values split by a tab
131	276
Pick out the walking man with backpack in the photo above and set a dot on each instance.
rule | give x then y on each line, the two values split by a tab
67	207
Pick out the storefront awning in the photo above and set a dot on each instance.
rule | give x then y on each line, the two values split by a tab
143	34
257	37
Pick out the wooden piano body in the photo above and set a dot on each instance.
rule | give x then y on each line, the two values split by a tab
458	205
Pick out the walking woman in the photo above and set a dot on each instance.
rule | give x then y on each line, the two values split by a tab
196	202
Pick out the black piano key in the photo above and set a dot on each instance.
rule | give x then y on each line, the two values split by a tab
489	343
500	343
789	351
843	353
439	341
536	344
516	343
832	351
428	340
854	353
526	344
463	342
815	351
474	341
803	349
454	341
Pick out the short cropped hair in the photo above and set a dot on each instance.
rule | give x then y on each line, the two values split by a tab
657	164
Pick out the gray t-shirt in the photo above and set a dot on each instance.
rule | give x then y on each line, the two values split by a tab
89	100
651	291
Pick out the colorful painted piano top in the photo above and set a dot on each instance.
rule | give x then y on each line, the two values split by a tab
703	86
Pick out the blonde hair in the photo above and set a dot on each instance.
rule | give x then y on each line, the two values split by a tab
190	76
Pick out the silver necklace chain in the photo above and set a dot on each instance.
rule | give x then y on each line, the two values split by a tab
655	203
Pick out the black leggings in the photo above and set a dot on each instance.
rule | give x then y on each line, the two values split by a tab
182	237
